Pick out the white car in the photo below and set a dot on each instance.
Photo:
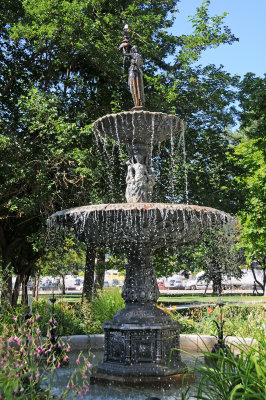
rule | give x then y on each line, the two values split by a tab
194	284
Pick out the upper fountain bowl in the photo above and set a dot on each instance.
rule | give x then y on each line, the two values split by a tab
139	127
150	224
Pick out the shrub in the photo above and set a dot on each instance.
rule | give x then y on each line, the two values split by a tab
244	320
67	316
102	308
230	377
28	362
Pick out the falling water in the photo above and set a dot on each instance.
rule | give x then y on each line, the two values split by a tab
185	166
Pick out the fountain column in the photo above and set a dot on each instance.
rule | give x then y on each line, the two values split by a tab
140	290
141	341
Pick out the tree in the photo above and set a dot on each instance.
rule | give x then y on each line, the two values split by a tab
216	255
43	170
63	255
250	156
219	257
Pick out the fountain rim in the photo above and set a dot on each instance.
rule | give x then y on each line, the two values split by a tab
135	207
139	112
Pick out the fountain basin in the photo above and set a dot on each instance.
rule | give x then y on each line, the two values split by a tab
155	224
142	127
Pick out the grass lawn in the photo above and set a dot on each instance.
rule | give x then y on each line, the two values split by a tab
209	298
171	298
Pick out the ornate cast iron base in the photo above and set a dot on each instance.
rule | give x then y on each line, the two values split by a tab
134	350
140	341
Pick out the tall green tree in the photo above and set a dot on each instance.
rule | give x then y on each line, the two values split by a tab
250	156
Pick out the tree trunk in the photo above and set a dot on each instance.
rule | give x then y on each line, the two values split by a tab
16	289
6	290
100	270
261	284
24	296
37	288
217	285
88	284
34	287
63	284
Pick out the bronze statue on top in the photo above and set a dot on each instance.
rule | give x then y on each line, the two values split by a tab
135	76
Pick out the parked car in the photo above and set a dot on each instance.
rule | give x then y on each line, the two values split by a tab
177	285
161	284
116	282
48	286
197	283
106	284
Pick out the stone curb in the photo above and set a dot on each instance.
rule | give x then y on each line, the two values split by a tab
187	342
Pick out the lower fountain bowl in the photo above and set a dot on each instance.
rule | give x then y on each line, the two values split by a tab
157	224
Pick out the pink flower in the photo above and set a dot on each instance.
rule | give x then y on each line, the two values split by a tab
77	362
58	365
68	387
38	331
73	386
14	318
22	389
37	316
89	365
16	391
65	358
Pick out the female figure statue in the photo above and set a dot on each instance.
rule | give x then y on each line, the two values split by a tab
135	76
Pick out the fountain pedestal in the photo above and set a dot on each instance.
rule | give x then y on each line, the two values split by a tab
140	341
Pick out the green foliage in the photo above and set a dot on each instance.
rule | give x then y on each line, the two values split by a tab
63	255
29	361
253	184
231	377
67	316
60	70
102	308
216	255
243	321
209	32
250	156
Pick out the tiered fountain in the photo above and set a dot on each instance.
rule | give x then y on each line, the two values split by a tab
141	342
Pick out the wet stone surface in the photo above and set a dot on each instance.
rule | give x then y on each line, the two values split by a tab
157	224
139	127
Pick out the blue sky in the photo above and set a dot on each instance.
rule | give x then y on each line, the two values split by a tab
247	21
